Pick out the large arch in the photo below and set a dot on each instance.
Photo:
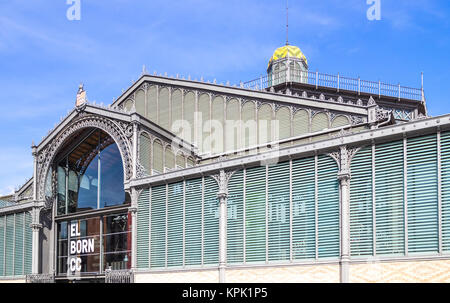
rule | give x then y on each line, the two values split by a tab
120	132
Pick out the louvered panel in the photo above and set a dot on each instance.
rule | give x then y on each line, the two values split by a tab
128	105
170	159
279	212
422	195
188	117
152	101
143	237
140	102
319	122
175	225
158	227
303	209
180	160
190	162
158	156
2	245
328	207
283	117
203	123
18	244
265	124
445	188
145	153
301	123
255	214
177	111
390	237
163	108
193	219
211	222
361	204
249	127
217	125
232	127
9	246
340	121
235	219
28	244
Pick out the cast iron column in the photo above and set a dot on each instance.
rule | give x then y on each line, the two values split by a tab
344	180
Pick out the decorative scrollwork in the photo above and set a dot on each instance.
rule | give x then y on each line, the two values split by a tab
117	130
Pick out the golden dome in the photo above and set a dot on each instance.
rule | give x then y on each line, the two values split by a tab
284	51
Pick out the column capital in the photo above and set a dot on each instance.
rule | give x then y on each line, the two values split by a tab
344	176
222	196
36	226
133	209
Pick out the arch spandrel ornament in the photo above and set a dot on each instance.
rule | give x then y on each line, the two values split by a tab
118	130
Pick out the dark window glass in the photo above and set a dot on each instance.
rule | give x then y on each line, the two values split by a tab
111	189
81	241
91	176
61	178
116	242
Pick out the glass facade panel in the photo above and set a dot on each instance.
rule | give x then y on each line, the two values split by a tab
90	246
91	176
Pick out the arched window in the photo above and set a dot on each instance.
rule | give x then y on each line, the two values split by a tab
90	176
319	122
158	157
170	160
163	108
340	121
282	127
301	123
145	152
265	124
140	102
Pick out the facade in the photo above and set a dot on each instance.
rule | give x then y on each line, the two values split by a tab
297	176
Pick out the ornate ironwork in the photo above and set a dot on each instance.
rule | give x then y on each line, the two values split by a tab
119	276
40	278
117	130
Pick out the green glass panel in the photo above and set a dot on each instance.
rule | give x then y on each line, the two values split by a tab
361	204
328	207
279	212
211	222
255	215
143	221
303	209
158	227
422	195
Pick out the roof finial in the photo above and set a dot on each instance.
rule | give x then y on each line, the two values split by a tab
287	22
81	96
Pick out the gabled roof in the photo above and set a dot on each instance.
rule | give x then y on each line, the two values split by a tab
242	93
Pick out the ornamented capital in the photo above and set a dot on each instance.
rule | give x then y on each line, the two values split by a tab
133	209
36	226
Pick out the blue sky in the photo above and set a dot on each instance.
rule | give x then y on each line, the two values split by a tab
44	56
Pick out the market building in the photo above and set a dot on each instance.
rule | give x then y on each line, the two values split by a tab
296	176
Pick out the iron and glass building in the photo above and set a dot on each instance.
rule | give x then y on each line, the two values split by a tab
296	176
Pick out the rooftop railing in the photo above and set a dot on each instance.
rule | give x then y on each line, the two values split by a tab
335	81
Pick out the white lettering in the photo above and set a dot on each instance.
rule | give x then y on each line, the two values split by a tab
91	245
78	246
374	12
78	267
74	12
73	247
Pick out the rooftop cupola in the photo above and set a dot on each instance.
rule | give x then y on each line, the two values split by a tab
287	64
